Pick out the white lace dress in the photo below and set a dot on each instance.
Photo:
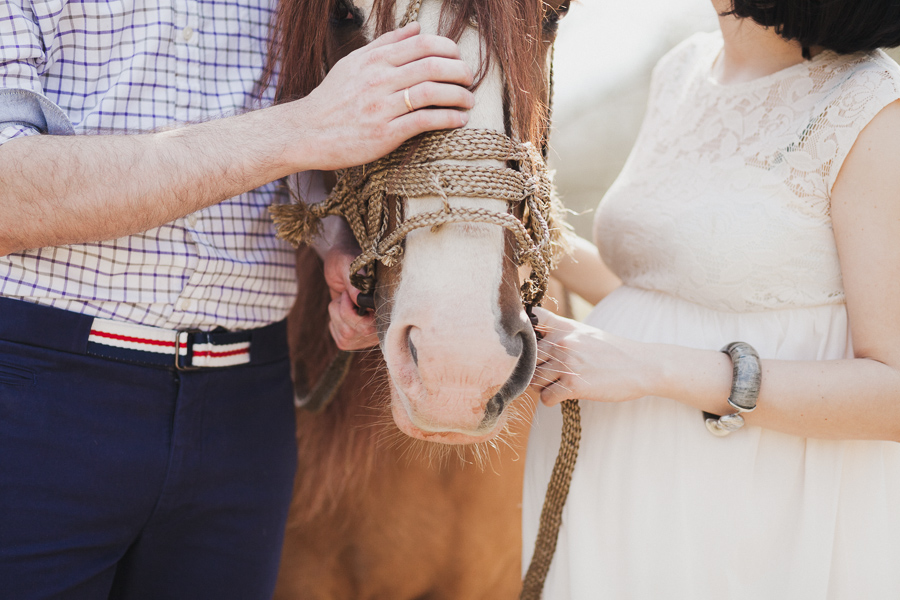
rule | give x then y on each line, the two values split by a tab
719	227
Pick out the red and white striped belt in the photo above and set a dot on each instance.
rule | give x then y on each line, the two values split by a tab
186	349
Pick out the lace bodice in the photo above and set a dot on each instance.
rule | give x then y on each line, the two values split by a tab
724	200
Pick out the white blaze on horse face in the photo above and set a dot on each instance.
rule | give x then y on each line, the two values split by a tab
448	348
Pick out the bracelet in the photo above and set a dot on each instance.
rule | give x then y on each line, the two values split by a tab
747	375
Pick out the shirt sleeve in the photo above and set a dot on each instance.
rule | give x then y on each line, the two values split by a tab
24	109
11	132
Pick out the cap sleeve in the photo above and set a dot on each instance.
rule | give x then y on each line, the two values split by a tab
863	94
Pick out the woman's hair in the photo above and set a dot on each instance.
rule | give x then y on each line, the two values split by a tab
844	26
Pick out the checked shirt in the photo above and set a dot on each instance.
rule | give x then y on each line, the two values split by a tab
133	66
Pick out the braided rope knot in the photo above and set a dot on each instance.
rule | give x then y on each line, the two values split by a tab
417	169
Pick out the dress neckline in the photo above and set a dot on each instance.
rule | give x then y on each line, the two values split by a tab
715	48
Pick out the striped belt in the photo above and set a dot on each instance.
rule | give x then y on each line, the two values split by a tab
184	349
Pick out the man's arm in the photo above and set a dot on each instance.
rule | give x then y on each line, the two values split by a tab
69	189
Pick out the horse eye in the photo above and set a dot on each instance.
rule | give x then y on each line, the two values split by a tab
552	16
342	14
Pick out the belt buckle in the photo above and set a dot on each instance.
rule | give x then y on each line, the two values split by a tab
185	334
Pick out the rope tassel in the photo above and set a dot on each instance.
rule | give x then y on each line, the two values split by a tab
295	222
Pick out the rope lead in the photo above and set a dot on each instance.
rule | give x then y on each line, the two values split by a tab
554	501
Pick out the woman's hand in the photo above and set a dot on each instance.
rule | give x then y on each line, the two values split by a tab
577	361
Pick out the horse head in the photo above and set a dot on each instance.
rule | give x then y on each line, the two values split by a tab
452	326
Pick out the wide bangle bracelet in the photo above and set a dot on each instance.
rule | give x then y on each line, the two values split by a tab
746	378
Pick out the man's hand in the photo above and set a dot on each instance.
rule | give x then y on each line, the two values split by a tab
359	113
349	330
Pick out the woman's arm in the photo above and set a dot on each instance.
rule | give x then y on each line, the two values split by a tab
855	398
583	272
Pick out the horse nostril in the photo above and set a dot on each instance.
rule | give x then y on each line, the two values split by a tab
493	409
518	380
412	350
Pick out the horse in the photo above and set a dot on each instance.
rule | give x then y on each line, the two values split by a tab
376	514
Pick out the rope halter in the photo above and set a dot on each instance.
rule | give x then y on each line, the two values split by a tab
414	170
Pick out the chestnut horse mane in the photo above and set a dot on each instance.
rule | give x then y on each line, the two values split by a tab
511	31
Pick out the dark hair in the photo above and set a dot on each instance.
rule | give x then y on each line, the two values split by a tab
844	26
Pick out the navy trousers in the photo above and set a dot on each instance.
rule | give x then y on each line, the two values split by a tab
127	481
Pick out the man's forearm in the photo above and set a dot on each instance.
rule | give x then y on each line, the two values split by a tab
65	190
70	189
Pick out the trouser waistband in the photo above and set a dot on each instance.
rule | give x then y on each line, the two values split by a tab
186	349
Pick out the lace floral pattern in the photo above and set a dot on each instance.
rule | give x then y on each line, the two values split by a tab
725	198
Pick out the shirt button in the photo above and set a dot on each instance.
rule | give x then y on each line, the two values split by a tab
187	33
192	220
184	304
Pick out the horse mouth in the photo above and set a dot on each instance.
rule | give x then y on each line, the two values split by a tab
485	431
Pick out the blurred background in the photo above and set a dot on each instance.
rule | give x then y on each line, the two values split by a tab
604	54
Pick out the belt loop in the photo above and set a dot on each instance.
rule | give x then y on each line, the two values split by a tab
186	337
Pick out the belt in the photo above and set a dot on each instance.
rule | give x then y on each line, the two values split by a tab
182	349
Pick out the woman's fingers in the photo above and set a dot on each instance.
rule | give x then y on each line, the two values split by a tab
546	373
553	379
559	368
548	349
552	325
556	393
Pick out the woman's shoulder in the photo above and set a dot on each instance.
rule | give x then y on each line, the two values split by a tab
867	63
856	82
851	90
